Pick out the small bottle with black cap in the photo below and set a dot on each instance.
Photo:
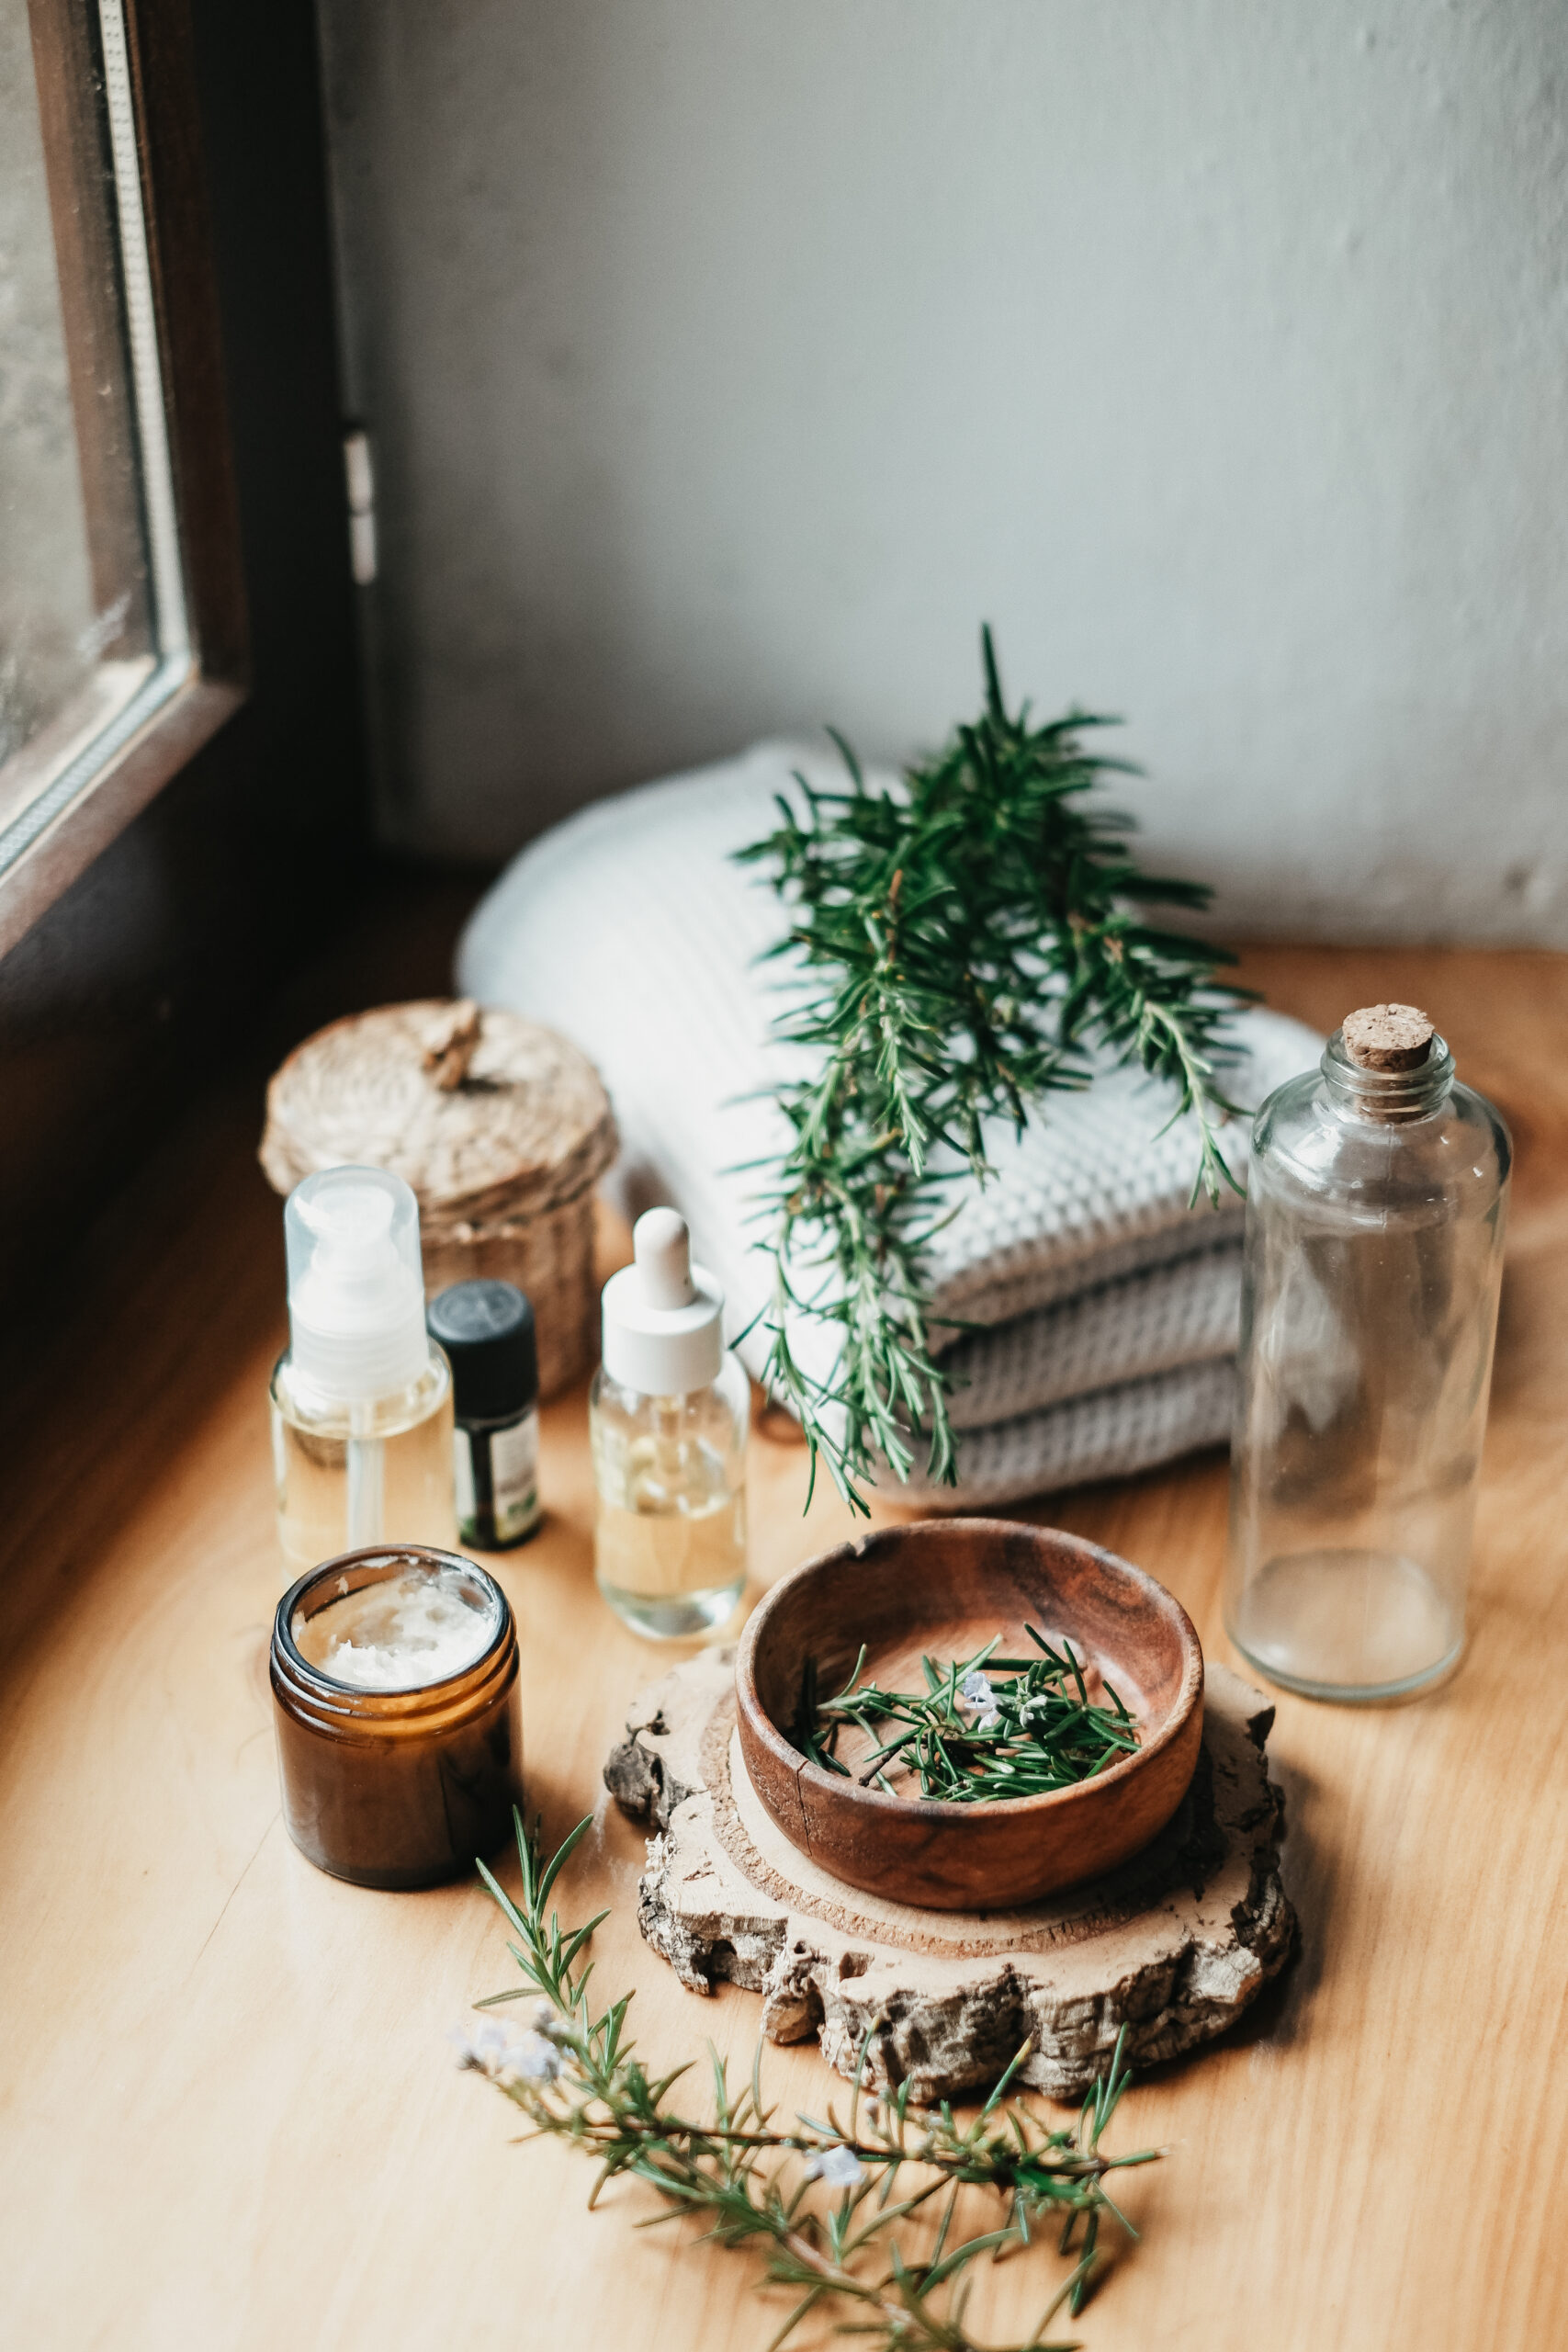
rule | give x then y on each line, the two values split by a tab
487	1330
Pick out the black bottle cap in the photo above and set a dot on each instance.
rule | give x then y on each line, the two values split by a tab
486	1329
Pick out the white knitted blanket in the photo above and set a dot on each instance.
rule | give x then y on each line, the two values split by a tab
1111	1306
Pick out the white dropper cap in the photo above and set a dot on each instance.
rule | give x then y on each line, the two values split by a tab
663	1329
355	1284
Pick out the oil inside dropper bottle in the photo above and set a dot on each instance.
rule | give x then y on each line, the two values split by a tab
669	1411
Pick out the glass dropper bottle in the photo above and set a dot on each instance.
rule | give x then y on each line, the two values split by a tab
668	1412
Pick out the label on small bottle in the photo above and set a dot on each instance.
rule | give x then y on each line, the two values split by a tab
495	1476
463	1483
514	1477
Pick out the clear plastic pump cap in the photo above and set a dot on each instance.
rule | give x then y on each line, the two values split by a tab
355	1284
663	1317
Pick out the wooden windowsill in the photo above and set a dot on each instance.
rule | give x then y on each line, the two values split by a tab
121	787
97	704
231	2116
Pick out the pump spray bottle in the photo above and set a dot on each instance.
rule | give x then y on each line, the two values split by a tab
361	1398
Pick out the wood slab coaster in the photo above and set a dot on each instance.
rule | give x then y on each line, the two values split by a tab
943	1589
1174	1944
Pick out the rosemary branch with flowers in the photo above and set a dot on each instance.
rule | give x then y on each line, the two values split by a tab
756	2180
969	940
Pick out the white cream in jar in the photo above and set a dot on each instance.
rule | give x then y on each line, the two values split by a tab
402	1633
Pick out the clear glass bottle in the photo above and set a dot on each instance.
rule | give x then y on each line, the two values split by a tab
362	1396
669	1412
1376	1203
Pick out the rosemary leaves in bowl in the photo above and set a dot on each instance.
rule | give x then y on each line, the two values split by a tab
968	1738
955	1800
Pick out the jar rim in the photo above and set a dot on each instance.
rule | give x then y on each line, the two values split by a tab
409	1699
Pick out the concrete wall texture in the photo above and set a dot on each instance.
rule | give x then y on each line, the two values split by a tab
729	360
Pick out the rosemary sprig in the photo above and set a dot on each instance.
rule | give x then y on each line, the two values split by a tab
968	941
969	1738
753	2180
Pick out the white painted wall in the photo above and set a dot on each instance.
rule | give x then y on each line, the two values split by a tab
729	360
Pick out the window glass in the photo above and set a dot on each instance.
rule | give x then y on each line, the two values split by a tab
46	591
92	618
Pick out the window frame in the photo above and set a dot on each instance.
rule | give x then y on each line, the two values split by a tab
69	72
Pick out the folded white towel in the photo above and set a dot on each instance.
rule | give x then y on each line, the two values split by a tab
1160	1320
1108	1435
631	928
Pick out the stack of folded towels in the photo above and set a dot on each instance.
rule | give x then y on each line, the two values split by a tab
1106	1308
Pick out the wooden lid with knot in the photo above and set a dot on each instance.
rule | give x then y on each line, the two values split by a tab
1387	1037
483	1113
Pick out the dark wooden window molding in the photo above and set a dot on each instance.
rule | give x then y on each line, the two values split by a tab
142	982
69	67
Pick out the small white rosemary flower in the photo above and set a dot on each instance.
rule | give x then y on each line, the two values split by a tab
840	2167
494	2050
480	2046
532	2057
977	1696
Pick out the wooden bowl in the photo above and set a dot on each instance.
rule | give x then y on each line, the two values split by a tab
943	1587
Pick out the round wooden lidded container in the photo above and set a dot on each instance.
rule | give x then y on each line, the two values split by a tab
501	1127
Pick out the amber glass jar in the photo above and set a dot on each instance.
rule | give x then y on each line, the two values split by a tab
400	1738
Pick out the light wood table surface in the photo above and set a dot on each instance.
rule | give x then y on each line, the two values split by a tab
229	2115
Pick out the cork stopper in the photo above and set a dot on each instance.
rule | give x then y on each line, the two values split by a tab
1387	1037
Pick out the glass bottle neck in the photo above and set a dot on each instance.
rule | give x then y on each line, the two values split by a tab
1388	1095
